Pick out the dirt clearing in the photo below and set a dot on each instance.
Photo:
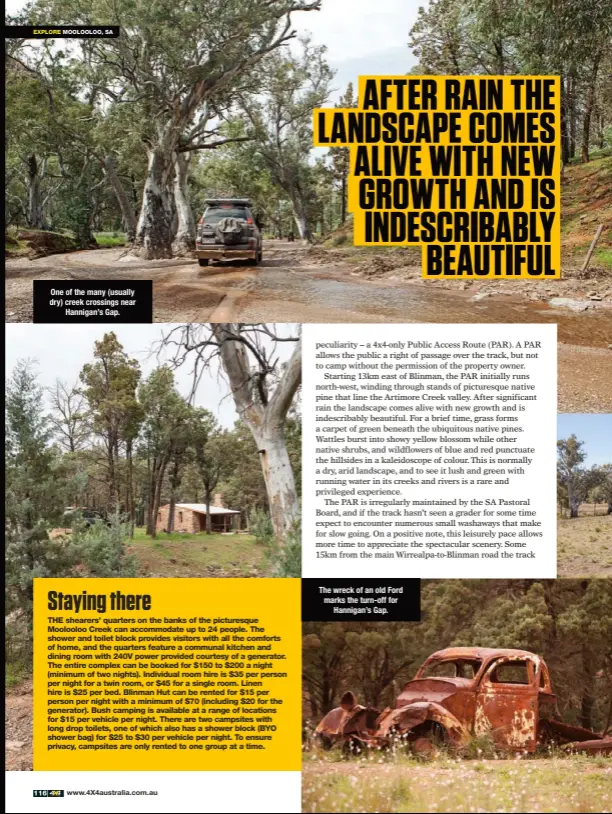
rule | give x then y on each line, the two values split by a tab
584	545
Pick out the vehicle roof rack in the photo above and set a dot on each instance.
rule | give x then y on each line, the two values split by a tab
242	201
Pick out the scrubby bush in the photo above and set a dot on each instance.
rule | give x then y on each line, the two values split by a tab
480	747
101	549
286	560
260	526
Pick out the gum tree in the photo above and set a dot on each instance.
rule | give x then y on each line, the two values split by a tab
576	480
263	390
34	494
280	118
165	417
173	59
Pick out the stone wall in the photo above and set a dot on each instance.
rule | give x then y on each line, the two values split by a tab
189	522
184	520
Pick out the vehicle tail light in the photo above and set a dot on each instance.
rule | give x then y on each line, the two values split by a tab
250	221
201	221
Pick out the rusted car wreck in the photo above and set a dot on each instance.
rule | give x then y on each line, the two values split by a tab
458	694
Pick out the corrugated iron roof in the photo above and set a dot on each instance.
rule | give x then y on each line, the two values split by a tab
200	508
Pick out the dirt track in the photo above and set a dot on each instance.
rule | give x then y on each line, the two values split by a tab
294	285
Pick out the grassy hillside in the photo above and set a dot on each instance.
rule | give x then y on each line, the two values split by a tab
33	243
586	201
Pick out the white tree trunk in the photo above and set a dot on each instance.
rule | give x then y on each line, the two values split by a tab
154	229
279	480
266	423
127	210
573	500
300	217
184	240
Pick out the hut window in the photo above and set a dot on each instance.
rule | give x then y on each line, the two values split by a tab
180	517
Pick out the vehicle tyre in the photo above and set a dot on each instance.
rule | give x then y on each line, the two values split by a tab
429	741
324	742
254	261
202	262
424	749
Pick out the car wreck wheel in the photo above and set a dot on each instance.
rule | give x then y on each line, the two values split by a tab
424	748
427	740
324	742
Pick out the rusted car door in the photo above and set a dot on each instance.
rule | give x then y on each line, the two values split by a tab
507	704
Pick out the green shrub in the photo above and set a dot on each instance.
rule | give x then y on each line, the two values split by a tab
109	239
289	558
286	560
17	648
480	747
260	526
102	550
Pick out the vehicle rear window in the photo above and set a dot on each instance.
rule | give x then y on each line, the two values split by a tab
214	214
459	668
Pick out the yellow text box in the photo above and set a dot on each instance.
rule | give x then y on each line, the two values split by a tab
167	674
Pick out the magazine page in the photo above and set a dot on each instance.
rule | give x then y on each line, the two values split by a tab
308	406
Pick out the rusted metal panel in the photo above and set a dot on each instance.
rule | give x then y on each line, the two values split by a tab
571	733
403	720
456	695
599	746
365	719
507	702
331	728
347	719
482	653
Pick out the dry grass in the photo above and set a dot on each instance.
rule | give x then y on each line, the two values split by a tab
198	555
569	784
584	544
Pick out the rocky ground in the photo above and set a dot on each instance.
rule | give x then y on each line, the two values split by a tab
18	728
576	290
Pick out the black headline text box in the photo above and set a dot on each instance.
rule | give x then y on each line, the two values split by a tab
79	301
63	32
361	600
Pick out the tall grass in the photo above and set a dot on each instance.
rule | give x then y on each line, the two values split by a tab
569	784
